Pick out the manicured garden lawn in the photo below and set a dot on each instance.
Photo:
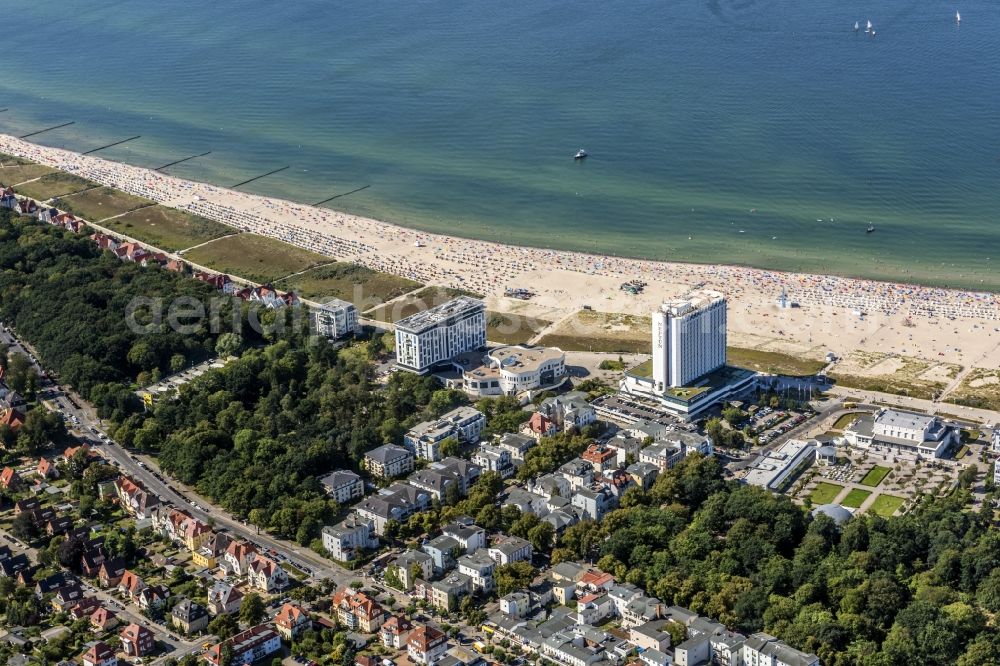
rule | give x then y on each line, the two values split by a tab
254	257
856	498
846	420
875	476
825	493
168	228
886	505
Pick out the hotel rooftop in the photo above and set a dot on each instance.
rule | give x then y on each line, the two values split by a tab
439	314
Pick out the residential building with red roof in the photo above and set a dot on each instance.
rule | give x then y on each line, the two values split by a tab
266	575
395	631
358	611
46	469
9	478
99	654
103	619
540	425
12	418
425	645
238	556
291	621
603	458
247	646
131	585
137	640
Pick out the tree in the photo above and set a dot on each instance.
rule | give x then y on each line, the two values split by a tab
40	427
228	344
19	370
177	362
223	625
541	536
69	554
24	527
450	447
252	609
391	530
513	576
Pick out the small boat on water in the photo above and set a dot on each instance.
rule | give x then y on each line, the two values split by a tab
857	26
869	28
870	229
958	17
580	154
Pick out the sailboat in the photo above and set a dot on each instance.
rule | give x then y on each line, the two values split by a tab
869	28
958	17
870	229
857	26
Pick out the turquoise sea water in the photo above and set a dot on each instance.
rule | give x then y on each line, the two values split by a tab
463	118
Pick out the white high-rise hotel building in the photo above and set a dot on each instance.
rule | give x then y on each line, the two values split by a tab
689	339
435	335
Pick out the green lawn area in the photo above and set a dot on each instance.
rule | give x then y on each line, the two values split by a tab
425	299
95	205
825	493
349	282
962	452
254	257
846	420
54	185
886	505
512	329
644	369
12	174
772	362
167	228
856	498
875	476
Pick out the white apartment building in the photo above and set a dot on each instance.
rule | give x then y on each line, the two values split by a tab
479	567
689	339
335	318
433	336
764	650
388	461
510	549
343	485
464	424
494	459
346	540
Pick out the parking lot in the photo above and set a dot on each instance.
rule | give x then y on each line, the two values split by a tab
176	380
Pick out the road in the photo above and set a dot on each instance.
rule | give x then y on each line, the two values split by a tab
89	428
126	612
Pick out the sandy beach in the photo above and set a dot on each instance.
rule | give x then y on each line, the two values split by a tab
832	313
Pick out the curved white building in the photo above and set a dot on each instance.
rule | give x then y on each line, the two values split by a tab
509	370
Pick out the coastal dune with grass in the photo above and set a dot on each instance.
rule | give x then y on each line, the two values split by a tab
577	300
